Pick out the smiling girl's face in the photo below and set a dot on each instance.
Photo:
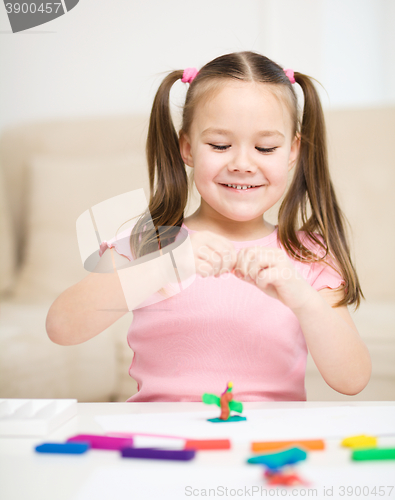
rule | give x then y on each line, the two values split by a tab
241	136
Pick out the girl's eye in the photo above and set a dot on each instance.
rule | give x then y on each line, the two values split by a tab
225	147
219	148
266	150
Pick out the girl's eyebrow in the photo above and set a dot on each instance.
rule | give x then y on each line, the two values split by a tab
219	131
270	133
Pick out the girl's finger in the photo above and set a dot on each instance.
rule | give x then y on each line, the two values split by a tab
267	276
216	262
246	261
211	263
262	276
267	258
229	259
208	254
223	258
204	268
238	271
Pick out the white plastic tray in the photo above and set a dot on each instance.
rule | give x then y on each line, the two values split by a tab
34	417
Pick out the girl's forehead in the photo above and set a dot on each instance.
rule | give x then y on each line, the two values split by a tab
243	104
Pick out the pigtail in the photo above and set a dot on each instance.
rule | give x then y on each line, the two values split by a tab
311	203
167	177
165	162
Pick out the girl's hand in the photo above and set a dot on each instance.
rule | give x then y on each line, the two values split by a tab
271	270
214	254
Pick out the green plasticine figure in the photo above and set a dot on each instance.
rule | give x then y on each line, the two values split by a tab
226	403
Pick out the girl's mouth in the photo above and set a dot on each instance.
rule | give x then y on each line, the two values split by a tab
241	188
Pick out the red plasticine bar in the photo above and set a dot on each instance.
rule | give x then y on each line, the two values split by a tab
102	442
207	444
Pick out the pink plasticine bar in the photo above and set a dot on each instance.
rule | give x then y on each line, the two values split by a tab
102	442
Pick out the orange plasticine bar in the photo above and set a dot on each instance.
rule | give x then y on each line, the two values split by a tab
307	444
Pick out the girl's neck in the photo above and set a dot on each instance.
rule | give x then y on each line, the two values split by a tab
232	230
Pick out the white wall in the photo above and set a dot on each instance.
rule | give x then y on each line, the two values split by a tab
107	56
347	45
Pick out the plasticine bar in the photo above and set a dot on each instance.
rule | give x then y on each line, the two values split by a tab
68	448
361	441
207	444
157	453
158	442
374	454
278	460
141	440
307	444
102	442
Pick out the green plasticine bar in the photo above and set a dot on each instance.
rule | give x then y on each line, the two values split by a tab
374	454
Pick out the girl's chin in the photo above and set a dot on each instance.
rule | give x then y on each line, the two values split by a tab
240	217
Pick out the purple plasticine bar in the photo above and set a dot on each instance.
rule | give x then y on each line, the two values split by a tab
102	442
158	454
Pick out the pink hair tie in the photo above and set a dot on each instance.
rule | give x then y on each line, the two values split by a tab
290	75
189	75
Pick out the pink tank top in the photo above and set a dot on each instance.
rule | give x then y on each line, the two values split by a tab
218	330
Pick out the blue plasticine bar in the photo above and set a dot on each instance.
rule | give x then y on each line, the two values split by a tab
277	460
158	454
70	448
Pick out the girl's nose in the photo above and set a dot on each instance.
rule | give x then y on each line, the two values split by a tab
241	162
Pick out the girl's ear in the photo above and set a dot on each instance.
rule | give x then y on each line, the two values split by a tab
185	149
295	148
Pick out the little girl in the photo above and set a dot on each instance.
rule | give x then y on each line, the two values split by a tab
262	294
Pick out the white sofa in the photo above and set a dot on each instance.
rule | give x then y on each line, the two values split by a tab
52	171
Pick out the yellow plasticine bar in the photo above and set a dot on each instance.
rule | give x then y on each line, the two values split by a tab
361	441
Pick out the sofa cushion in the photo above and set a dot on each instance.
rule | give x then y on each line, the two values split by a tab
31	366
66	138
60	190
363	172
7	247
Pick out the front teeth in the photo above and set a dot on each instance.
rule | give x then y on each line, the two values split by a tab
239	187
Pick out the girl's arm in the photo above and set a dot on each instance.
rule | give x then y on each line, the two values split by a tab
87	308
333	341
95	303
331	336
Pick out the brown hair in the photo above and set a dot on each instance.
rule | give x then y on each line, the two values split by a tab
310	205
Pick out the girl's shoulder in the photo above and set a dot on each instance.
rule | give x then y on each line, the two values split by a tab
314	242
322	274
120	243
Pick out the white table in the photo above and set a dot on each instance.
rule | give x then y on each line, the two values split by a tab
25	474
